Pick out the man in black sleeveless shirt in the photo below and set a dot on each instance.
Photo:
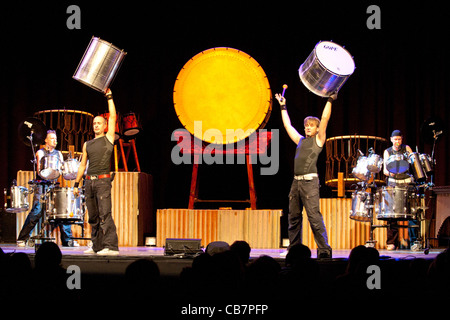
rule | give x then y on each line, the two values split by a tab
305	186
98	183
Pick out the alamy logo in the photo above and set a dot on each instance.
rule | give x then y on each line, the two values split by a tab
219	153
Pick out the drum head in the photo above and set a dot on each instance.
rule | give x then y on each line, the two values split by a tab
225	89
335	58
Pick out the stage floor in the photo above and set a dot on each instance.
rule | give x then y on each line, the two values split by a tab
173	265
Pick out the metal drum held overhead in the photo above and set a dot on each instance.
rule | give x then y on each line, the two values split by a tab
222	95
99	64
326	69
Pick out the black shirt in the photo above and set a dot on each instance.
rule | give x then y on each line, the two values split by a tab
99	152
306	156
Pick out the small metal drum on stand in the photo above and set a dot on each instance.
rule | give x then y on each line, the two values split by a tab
416	166
70	169
397	163
51	168
16	199
361	202
62	204
99	65
326	69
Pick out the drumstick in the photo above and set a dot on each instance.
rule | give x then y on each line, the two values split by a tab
284	89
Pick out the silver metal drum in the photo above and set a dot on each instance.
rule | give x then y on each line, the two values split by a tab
16	199
397	163
70	169
99	64
374	163
62	204
326	69
427	163
51	168
416	167
360	171
361	205
398	203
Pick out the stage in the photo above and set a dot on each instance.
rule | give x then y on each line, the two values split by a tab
172	265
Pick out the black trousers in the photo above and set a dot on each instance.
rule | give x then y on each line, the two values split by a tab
98	203
305	194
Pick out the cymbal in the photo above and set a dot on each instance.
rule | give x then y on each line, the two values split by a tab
35	126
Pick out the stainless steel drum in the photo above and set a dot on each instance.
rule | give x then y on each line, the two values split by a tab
374	163
416	167
99	64
396	203
62	204
361	202
16	199
397	163
70	169
326	69
427	163
51	168
360	171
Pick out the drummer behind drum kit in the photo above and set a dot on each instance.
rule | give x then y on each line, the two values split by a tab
403	202
60	204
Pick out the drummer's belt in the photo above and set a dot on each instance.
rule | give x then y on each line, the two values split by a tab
308	176
400	181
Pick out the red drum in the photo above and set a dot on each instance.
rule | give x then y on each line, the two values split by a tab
118	134
130	124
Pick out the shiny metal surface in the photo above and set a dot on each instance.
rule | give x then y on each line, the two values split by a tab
16	199
99	65
326	69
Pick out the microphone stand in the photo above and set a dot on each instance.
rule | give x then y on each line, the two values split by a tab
34	161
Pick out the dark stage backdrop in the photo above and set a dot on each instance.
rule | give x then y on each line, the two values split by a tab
401	79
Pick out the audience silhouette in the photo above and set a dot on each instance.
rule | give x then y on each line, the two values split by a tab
227	272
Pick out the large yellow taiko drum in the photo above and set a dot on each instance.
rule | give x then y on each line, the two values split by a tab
223	90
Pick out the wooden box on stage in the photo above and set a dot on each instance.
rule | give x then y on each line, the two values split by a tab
260	228
132	207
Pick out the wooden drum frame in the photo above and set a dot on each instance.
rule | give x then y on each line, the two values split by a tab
343	154
72	127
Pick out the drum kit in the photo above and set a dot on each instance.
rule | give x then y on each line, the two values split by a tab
60	205
402	202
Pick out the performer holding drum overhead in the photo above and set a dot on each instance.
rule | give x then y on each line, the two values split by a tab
49	162
98	183
396	168
305	186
